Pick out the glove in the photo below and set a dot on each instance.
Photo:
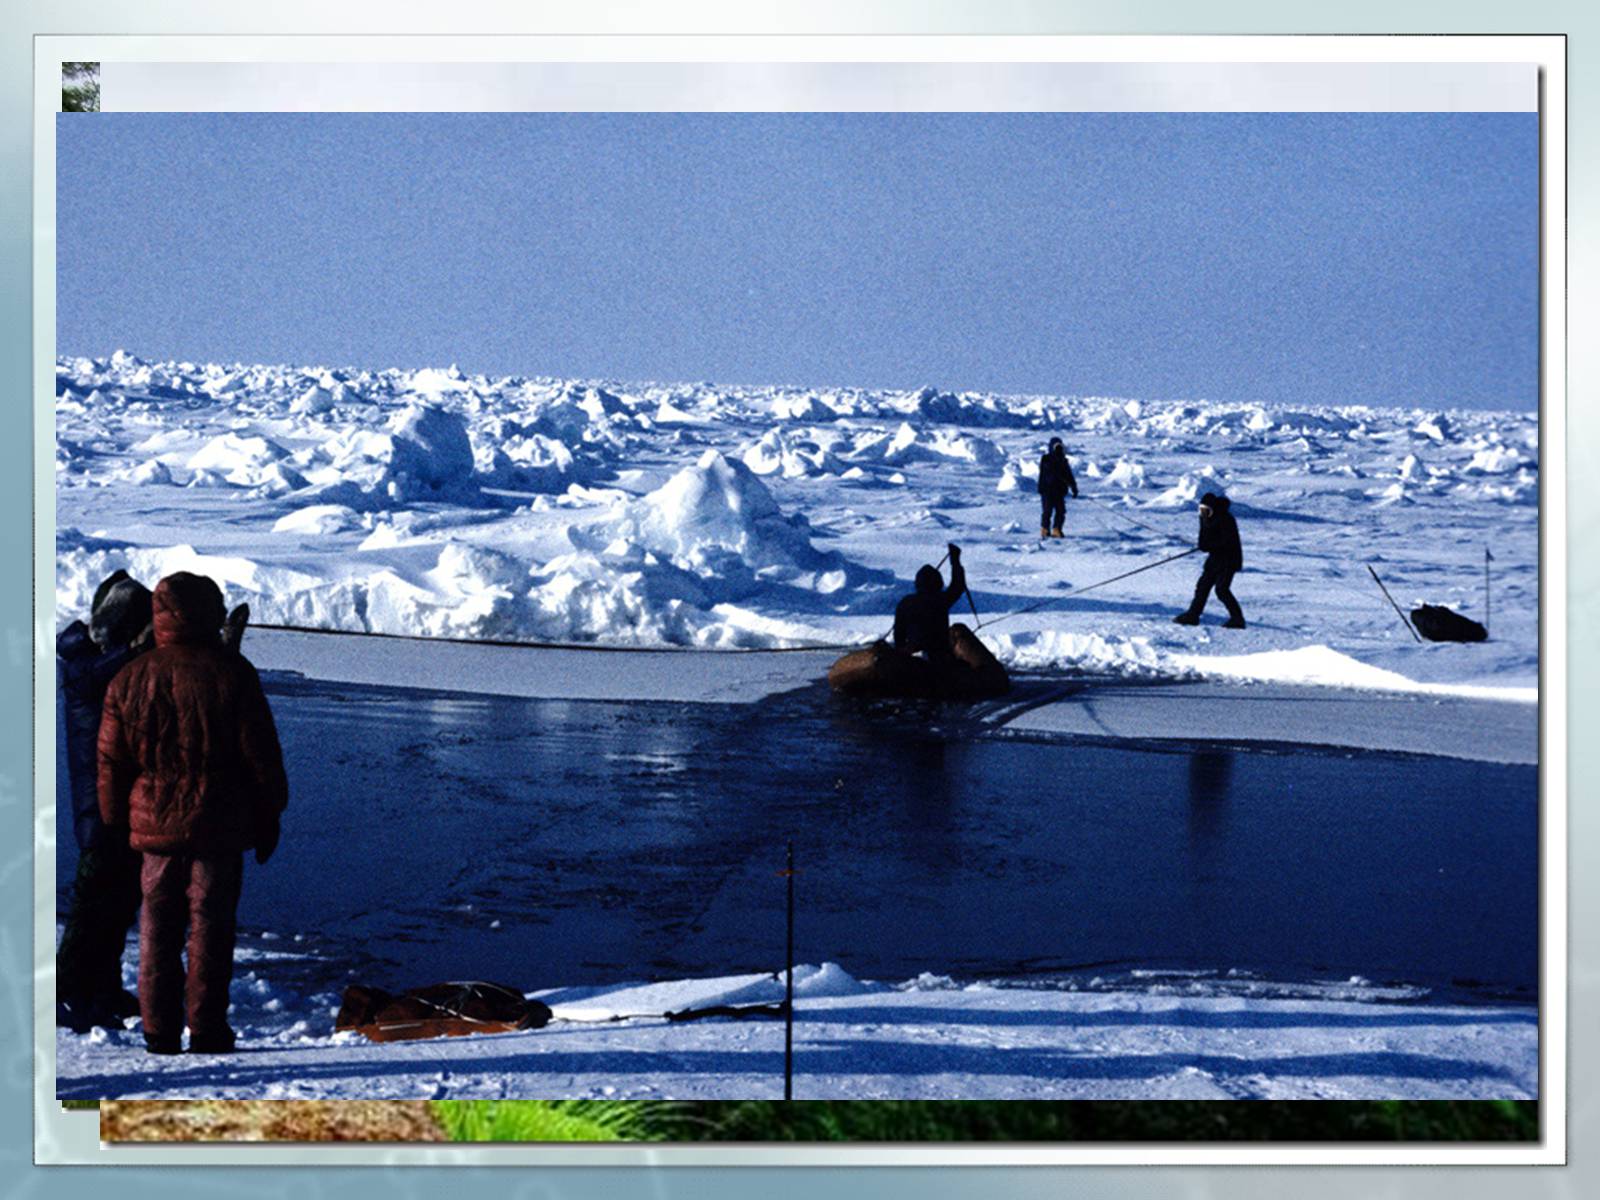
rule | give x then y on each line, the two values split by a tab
955	551
265	845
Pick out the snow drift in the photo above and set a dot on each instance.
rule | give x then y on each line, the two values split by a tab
436	502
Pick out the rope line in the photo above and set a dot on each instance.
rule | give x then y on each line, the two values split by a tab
591	647
599	648
1088	587
1340	581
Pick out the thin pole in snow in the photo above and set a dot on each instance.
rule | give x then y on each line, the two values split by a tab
1404	619
1487	559
788	1001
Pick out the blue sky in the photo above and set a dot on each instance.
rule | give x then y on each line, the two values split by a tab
1284	258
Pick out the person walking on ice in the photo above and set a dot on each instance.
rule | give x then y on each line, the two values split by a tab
1219	538
1055	481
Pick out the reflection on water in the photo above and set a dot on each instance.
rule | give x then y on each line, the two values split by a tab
548	842
1210	774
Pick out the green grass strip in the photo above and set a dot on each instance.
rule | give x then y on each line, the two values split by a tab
556	1120
992	1121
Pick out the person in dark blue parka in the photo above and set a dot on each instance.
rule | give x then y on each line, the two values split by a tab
1219	538
105	890
1055	481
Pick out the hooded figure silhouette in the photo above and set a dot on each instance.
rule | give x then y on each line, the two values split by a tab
1055	481
922	619
105	888
1219	538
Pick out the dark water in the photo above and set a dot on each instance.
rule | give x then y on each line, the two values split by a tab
620	841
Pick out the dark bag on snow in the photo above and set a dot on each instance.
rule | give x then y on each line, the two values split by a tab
1439	624
438	1010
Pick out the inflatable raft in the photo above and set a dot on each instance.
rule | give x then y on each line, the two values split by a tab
880	671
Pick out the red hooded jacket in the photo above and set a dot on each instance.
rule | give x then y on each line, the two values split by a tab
189	755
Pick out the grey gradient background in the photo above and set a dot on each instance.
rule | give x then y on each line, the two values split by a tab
22	18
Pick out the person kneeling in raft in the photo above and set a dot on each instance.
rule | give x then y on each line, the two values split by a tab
922	619
956	664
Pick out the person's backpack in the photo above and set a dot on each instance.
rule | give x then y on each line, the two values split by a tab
438	1010
1440	624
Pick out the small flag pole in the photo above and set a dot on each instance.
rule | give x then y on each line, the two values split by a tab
1487	559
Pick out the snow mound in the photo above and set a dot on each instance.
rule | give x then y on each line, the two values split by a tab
279	479
828	981
583	415
714	519
318	519
806	408
1183	493
529	461
83	562
236	459
668	413
791	455
1126	474
1435	427
1494	460
1524	489
470	592
434	380
1325	666
151	471
1395	493
314	400
1089	653
671	566
423	454
628	598
910	445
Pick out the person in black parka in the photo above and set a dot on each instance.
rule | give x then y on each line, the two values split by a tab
1055	481
1219	538
105	890
922	619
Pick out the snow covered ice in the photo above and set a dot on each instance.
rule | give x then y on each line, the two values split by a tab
433	503
1196	1036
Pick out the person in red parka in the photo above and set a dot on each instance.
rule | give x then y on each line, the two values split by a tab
190	767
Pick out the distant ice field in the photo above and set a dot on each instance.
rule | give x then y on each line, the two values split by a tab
430	503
